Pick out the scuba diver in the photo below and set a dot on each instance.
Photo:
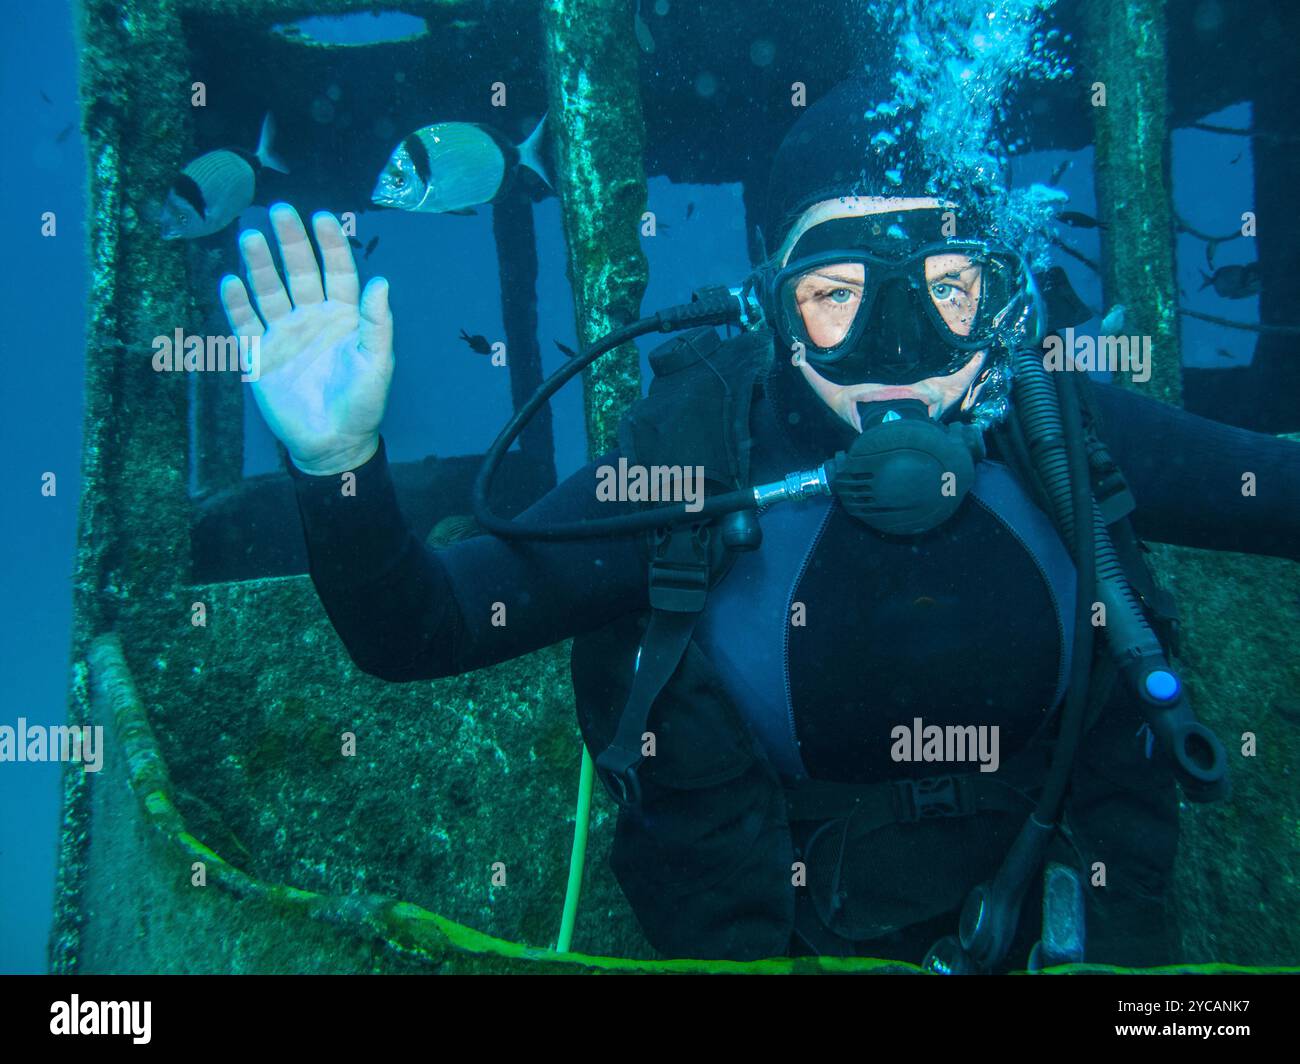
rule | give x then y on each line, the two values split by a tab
901	686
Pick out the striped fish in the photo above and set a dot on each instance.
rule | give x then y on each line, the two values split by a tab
452	530
451	167
211	191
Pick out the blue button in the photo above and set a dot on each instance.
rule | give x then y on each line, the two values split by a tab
1162	685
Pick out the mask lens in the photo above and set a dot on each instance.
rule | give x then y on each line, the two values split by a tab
864	316
971	294
827	299
955	284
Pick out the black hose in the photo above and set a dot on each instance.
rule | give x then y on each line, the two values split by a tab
711	307
1085	562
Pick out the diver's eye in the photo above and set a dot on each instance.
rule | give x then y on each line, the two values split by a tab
942	291
841	295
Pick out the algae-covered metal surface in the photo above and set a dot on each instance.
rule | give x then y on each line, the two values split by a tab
1127	82
591	68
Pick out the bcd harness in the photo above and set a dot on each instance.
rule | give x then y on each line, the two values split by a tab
698	408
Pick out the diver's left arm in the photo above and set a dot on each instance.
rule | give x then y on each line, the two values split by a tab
1189	476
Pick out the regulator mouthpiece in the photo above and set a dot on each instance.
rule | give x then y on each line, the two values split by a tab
905	474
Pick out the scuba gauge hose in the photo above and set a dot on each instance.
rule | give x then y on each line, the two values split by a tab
709	306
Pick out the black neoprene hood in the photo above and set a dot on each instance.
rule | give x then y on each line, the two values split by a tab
835	150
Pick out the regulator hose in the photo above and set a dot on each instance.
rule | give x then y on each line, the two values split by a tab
710	306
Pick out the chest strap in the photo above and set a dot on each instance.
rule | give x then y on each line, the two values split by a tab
877	805
679	585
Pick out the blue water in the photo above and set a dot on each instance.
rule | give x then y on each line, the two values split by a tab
42	300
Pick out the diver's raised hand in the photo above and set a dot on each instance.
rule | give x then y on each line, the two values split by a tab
326	352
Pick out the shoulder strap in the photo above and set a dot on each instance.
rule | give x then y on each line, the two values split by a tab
696	413
697	410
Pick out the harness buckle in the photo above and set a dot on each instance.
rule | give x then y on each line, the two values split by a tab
617	769
931	798
679	570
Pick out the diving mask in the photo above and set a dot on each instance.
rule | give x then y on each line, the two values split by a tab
887	298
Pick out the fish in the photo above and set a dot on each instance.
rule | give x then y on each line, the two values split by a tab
566	350
477	344
643	37
212	191
1113	323
356	244
450	167
374	243
43	96
1224	352
65	133
453	529
1059	172
690	209
1081	221
1233	282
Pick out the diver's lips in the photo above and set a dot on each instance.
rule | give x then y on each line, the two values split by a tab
884	395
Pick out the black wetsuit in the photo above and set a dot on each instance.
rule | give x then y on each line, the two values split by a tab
964	621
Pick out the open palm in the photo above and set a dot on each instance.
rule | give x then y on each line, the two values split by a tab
326	349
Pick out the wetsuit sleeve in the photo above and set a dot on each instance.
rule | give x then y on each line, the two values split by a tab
1186	473
408	612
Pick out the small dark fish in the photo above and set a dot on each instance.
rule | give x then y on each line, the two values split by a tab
1222	353
450	167
374	243
1235	161
1288	710
211	191
356	244
477	344
43	96
1080	221
566	350
1059	173
452	530
690	209
1234	282
65	133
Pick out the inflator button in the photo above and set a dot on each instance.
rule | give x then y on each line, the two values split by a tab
1161	685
